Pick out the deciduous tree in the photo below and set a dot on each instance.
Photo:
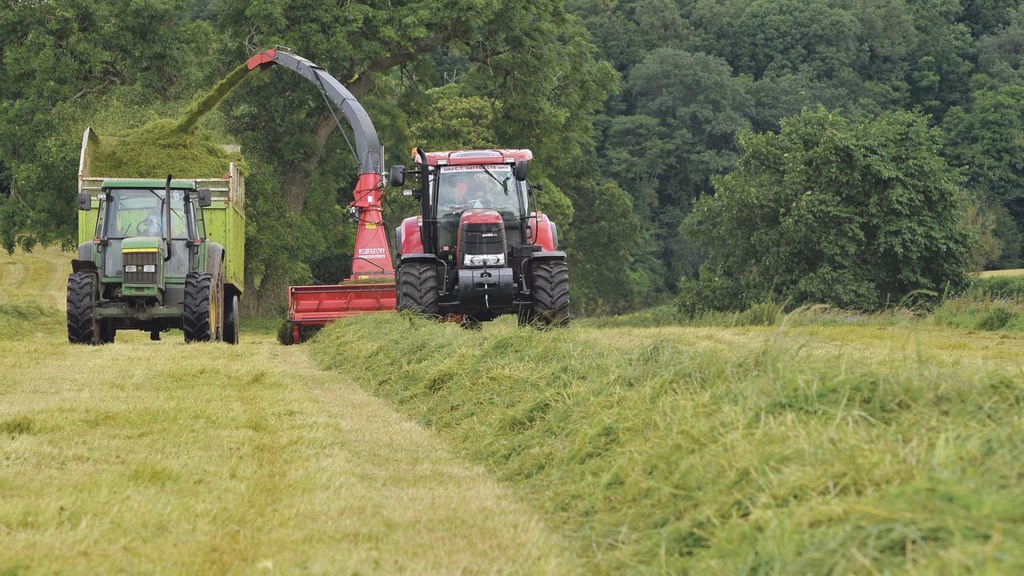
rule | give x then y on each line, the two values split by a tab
854	213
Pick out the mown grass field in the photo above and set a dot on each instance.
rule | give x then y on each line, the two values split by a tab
160	458
389	444
873	447
992	273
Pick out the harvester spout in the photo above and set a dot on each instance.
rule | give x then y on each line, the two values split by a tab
371	287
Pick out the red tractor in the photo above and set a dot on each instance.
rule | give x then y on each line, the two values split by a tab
476	251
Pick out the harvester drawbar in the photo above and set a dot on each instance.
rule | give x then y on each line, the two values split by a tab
371	287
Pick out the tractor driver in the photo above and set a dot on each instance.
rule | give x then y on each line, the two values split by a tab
482	192
455	194
489	193
150	225
482	195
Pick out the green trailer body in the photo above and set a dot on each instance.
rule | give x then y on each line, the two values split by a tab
190	278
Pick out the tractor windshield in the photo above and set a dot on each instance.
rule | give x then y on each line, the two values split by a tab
141	212
463	187
135	212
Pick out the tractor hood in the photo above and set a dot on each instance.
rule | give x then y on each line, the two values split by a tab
142	244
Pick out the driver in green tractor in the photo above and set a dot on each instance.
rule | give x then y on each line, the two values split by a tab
150	226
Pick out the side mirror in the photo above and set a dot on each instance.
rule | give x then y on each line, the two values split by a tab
520	170
205	197
397	175
84	201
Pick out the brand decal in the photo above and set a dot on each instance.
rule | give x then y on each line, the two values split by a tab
372	253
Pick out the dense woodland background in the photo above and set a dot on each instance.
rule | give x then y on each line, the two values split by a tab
713	153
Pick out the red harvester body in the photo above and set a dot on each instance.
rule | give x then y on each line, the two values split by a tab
371	287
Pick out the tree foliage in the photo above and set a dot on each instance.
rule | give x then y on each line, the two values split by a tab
853	213
625	103
62	61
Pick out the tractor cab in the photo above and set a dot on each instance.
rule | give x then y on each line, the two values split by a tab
485	196
146	232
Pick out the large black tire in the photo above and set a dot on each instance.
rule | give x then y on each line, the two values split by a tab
550	293
82	326
231	318
417	288
196	320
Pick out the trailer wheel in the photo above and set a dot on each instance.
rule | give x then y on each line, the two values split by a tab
231	318
82	326
551	293
196	320
417	288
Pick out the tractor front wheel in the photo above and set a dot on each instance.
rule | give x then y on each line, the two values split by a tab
417	288
550	293
196	320
82	325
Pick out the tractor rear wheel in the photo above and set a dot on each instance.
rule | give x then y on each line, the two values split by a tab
231	318
196	319
82	326
417	288
550	293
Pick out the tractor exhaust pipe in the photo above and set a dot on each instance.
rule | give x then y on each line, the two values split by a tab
167	206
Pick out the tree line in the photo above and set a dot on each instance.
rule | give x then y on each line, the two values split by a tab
653	123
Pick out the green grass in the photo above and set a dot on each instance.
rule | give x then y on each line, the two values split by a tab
817	442
165	458
158	148
800	450
991	273
994	302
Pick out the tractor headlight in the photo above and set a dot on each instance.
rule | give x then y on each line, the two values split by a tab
483	260
149	267
131	268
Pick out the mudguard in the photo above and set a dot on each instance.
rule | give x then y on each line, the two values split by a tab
548	255
214	258
408	237
543	232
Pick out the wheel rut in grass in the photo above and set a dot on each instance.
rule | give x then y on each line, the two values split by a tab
200	458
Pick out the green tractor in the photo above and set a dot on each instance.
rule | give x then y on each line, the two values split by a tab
148	261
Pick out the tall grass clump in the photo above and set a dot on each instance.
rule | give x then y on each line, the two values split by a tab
712	451
990	303
996	287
